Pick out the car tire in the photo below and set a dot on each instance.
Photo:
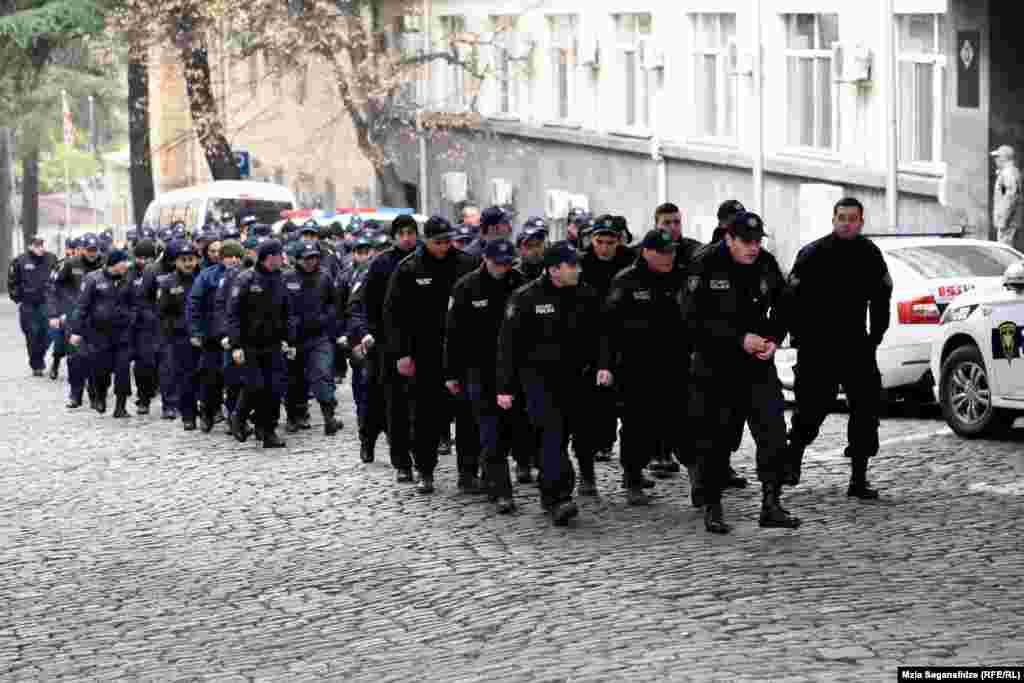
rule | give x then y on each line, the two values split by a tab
965	396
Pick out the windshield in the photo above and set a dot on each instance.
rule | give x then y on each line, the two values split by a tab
956	260
223	211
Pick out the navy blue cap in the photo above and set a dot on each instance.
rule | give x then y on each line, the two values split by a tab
560	252
248	220
364	240
117	256
532	234
437	228
260	229
500	251
659	240
746	226
579	216
165	234
465	233
182	248
310	226
535	223
230	233
269	248
492	216
73	243
90	241
131	234
309	249
606	225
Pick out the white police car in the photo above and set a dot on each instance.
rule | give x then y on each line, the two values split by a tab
979	358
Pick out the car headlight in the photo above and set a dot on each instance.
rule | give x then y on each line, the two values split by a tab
958	314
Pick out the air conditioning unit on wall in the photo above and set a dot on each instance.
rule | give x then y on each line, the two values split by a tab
502	192
556	204
578	201
455	186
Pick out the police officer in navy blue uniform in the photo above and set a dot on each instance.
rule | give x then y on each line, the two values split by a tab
494	224
65	289
601	261
105	320
530	243
203	327
548	349
147	324
232	255
382	368
735	323
257	332
836	283
185	350
312	331
415	312
470	353
578	222
27	283
642	313
58	335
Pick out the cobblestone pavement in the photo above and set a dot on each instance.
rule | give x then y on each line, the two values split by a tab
132	550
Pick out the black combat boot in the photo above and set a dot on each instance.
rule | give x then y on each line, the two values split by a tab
189	424
101	402
713	519
240	418
55	367
206	421
792	459
562	512
426	483
772	513
735	481
272	440
142	405
366	448
292	425
332	425
859	481
74	401
120	409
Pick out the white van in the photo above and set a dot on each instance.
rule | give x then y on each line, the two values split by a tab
219	202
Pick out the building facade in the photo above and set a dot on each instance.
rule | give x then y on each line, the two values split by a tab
628	103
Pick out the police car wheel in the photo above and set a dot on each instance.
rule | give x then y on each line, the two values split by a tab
965	396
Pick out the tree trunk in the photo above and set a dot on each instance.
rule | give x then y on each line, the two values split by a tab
205	118
6	219
30	193
138	139
392	191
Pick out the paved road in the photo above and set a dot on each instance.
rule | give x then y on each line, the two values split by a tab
131	550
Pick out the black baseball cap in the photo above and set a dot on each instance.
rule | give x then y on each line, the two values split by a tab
500	251
438	228
560	252
658	240
493	216
605	225
746	226
728	209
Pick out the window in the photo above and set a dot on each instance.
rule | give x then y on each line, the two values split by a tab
813	108
562	29
714	88
508	63
921	49
956	260
632	37
451	28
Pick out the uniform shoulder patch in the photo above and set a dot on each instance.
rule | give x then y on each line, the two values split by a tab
510	310
693	283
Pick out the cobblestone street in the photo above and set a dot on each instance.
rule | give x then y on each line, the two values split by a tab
130	549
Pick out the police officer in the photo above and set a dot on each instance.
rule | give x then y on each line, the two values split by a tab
530	243
366	392
548	347
577	222
205	336
232	254
257	332
147	324
184	350
464	237
603	260
28	280
105	319
414	311
735	324
474	318
727	210
313	328
494	224
58	335
382	368
65	289
642	311
836	283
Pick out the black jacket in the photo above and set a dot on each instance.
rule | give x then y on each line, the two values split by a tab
724	302
376	288
106	307
355	314
530	271
547	327
312	305
172	303
598	274
219	320
833	287
642	315
28	280
257	316
417	303
474	318
66	285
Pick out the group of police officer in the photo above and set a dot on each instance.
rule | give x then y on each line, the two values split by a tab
527	346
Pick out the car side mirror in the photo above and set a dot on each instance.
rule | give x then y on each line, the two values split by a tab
1013	278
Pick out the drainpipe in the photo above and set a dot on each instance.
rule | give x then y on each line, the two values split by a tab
759	98
891	130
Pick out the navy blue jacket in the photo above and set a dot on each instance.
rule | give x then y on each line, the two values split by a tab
105	308
201	302
312	305
257	316
219	321
66	285
28	279
355	315
171	301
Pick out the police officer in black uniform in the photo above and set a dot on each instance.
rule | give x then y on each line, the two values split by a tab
735	323
257	333
105	319
530	243
27	283
548	348
147	324
836	283
578	222
382	368
232	254
474	318
414	311
185	350
642	312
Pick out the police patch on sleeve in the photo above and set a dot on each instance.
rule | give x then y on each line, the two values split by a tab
451	302
693	283
510	310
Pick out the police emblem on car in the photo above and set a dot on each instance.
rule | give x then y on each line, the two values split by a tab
1005	342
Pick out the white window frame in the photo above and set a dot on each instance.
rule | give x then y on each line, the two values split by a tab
645	82
454	94
411	37
569	46
508	85
815	54
937	59
726	80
